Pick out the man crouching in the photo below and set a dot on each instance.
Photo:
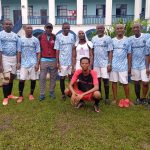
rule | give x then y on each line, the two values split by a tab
84	86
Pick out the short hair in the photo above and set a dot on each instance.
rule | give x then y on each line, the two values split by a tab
119	24
5	20
65	23
85	58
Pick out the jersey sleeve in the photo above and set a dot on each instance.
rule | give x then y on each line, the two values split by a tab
148	46
110	44
95	79
128	46
37	45
75	76
57	43
18	44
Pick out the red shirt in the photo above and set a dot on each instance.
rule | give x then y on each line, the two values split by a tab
85	83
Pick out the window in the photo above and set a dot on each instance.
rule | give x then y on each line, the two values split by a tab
62	10
30	10
84	10
121	10
6	12
100	10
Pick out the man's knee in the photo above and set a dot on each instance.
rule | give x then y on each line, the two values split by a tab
145	84
97	95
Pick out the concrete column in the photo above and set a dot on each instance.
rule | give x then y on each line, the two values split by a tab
147	10
24	11
0	9
137	9
79	12
51	8
108	18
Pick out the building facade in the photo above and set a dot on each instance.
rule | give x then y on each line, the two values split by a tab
79	13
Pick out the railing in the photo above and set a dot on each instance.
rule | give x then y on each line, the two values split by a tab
37	20
70	19
17	26
92	19
122	19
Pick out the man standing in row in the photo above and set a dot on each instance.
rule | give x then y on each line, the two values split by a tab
121	62
102	58
9	45
140	68
64	44
48	61
28	62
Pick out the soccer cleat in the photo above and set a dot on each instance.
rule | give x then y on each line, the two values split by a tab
42	97
80	104
138	101
5	101
126	103
107	102
121	103
63	97
144	101
12	97
20	99
52	95
96	108
31	97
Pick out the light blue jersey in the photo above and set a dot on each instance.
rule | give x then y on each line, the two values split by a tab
101	48
29	49
9	43
121	48
64	45
138	50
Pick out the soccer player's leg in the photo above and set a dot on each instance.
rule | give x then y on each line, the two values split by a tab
105	77
114	78
43	74
136	77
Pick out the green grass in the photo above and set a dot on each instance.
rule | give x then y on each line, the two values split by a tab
56	125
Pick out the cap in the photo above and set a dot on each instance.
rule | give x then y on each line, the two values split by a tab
48	25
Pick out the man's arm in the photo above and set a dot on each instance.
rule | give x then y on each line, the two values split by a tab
91	57
18	60
109	66
38	61
73	58
57	59
1	65
129	56
147	65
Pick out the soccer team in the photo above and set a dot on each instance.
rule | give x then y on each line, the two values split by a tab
86	63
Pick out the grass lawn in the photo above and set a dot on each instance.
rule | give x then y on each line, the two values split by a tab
56	125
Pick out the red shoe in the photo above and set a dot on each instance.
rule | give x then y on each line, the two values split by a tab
12	97
31	98
121	103
126	103
20	99
5	101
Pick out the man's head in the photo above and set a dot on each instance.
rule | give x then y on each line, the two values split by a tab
48	28
120	29
28	30
100	30
85	63
66	28
81	35
7	25
136	28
